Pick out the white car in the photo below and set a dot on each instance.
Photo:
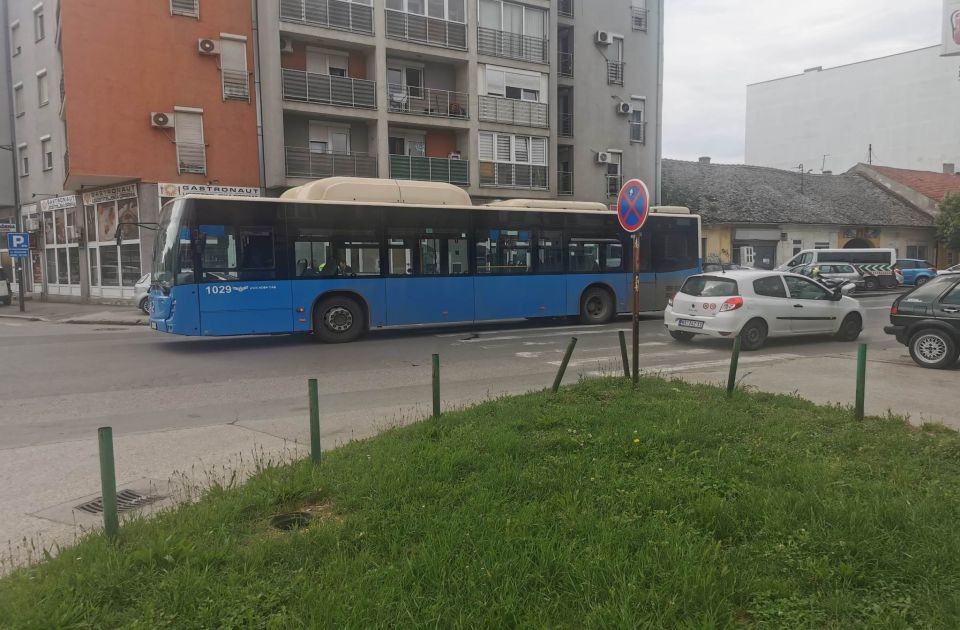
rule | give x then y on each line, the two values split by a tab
5	297
141	293
757	304
954	269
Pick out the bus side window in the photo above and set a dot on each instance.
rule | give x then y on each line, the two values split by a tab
503	251
550	251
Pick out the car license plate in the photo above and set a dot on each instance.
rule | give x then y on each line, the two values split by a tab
689	323
153	325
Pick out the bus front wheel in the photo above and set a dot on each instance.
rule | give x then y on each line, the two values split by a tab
338	320
596	306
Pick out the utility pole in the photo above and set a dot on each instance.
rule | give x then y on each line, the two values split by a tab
14	159
870	154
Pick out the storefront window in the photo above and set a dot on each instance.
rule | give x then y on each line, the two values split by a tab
61	266
114	270
73	255
94	266
109	270
130	264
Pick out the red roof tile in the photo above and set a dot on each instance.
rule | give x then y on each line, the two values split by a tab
927	183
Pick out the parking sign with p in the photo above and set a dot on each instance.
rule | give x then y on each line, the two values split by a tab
18	244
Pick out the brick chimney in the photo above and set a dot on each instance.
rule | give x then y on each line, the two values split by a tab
704	160
949	168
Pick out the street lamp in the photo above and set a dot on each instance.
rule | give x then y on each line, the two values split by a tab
18	217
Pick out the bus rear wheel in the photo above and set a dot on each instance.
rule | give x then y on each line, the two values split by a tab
338	320
596	307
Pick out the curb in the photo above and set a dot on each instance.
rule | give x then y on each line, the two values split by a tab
28	318
103	322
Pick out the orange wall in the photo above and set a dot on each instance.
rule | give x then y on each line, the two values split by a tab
440	143
124	59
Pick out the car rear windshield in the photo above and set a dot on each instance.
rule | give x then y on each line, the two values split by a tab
707	286
931	290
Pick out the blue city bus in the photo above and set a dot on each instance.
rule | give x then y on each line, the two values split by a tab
337	268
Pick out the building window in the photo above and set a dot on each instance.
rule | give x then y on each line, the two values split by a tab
43	89
452	10
46	151
18	99
233	69
917	252
512	161
821	245
614	174
15	39
39	32
191	151
518	85
797	247
189	8
512	30
615	62
24	160
638	122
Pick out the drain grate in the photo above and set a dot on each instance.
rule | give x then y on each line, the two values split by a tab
126	500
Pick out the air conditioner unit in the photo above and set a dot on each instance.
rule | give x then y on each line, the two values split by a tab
208	47
161	119
624	108
603	157
286	45
31	225
605	38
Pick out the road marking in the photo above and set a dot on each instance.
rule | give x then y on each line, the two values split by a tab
572	333
12	324
767	358
540	343
513	330
655	355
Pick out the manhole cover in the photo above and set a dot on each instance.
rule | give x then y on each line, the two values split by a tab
126	500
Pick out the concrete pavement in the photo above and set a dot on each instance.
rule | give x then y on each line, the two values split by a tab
203	407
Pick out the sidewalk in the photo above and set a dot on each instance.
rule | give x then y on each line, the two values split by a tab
70	313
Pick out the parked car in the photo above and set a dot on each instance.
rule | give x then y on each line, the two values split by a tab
840	272
714	267
927	321
757	304
6	295
954	269
141	293
916	271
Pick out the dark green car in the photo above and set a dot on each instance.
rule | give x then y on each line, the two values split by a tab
927	321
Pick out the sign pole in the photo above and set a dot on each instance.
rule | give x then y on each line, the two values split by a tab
636	308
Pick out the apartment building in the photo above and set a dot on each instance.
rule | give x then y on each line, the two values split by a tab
7	153
119	104
541	98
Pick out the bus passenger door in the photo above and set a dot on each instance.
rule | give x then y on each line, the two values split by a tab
239	289
506	285
428	281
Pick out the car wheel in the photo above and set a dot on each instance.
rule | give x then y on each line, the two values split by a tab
596	306
145	305
922	280
934	349
338	320
753	335
682	336
851	328
871	284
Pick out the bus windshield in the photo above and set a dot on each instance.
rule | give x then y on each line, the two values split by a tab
167	246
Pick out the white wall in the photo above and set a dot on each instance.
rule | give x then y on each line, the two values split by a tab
905	105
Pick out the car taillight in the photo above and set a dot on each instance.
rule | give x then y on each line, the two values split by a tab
672	298
932	269
731	304
893	309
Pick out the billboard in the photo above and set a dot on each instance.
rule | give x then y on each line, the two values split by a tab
951	27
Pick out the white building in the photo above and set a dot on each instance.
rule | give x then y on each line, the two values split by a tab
905	105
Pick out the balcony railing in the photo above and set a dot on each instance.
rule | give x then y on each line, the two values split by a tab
512	112
565	8
236	85
304	163
614	184
564	182
407	99
565	125
615	72
565	66
191	158
504	175
310	87
426	30
512	45
638	19
638	132
344	16
430	169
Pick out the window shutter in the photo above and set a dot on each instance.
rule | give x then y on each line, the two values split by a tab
233	67
523	81
538	151
191	153
503	148
522	150
190	8
486	147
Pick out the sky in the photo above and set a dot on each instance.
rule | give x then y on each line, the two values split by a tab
714	48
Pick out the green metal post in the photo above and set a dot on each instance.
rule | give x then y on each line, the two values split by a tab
436	385
623	354
861	379
314	421
108	482
563	364
734	359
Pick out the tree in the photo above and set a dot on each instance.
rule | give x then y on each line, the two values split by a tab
948	221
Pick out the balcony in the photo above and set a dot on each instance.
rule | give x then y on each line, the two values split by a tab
344	16
512	112
512	45
564	182
565	64
565	125
191	158
430	169
309	87
407	99
304	163
615	72
504	175
638	132
638	19
565	8
411	27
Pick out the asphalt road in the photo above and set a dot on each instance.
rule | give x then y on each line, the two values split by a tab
174	402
